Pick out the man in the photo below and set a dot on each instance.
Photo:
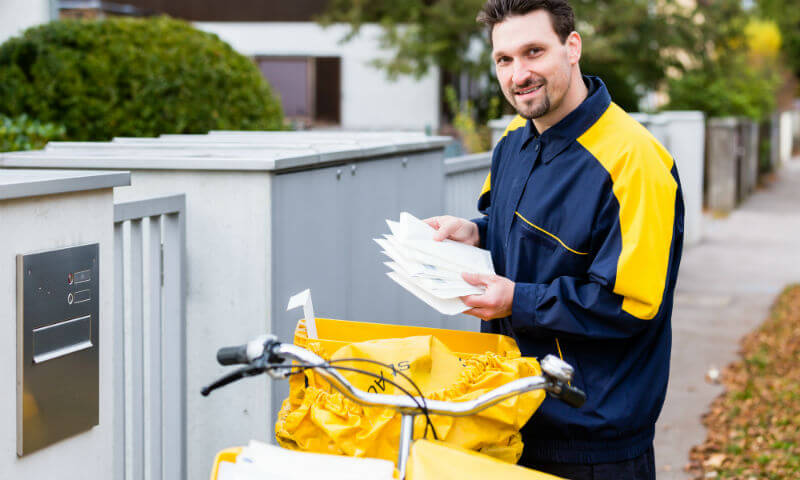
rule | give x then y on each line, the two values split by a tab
583	215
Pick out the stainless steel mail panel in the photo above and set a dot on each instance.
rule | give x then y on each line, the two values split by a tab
57	345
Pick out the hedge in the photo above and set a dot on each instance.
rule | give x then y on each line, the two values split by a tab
133	77
23	133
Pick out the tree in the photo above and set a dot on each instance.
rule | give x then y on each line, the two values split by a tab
629	43
787	15
733	70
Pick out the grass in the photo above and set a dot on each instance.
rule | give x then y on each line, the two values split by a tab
754	427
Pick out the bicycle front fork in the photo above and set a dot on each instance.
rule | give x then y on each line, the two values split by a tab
406	437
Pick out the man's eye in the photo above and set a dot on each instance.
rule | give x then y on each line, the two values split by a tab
502	60
534	51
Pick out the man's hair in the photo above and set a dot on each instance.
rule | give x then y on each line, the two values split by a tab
561	15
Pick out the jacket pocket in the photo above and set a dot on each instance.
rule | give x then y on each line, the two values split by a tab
540	235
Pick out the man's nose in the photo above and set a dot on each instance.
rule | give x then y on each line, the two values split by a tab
522	74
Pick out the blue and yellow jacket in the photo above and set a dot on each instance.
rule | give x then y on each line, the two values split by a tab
587	219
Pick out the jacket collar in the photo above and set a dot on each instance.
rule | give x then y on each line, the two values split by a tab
558	137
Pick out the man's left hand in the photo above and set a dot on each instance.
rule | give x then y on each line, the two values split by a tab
495	302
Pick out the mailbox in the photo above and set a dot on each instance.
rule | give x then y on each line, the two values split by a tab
57	345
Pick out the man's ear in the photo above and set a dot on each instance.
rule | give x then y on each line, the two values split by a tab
574	47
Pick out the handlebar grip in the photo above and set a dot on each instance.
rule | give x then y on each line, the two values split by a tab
572	396
232	355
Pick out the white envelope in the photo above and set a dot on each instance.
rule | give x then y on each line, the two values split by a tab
417	234
413	267
438	287
449	306
259	461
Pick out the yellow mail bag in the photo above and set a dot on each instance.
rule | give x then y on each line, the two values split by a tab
445	365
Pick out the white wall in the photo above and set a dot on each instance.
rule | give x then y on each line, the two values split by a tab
18	15
369	100
43	223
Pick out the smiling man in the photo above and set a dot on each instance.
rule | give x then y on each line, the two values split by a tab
583	215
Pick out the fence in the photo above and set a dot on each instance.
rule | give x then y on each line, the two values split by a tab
149	339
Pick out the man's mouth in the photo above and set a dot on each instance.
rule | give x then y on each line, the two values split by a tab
528	91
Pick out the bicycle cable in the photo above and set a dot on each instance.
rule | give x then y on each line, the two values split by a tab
424	407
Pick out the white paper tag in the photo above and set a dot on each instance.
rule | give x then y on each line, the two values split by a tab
303	299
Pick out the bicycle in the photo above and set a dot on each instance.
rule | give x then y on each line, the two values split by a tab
266	354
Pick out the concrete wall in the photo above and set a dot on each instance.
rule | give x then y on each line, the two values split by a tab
228	297
369	100
18	15
43	223
498	126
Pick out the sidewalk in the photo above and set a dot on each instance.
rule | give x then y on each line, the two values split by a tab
725	288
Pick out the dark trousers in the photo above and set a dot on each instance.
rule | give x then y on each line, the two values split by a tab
642	467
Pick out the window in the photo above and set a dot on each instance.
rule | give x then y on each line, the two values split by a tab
309	87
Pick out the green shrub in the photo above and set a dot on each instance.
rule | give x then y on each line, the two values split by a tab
133	77
23	133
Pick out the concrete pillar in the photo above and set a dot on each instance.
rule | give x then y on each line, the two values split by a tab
40	211
774	141
722	163
748	158
784	137
685	139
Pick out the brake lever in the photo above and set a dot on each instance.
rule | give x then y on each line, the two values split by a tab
232	377
572	396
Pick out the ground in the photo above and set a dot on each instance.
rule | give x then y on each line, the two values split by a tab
726	285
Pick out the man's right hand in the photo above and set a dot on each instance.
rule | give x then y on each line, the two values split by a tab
454	228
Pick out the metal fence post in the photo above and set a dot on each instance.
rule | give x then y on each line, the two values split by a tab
150	374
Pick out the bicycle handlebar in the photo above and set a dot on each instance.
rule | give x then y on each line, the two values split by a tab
555	379
232	355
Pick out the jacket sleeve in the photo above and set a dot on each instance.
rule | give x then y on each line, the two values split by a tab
629	284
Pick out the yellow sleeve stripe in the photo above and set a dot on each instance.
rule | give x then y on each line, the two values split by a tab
640	170
550	234
487	184
517	122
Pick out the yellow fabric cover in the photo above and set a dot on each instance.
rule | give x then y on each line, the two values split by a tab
226	455
317	418
430	460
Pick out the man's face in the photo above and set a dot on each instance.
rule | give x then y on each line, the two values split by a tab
533	67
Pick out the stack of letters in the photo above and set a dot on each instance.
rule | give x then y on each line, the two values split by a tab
429	269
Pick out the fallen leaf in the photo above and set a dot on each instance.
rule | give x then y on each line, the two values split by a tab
714	461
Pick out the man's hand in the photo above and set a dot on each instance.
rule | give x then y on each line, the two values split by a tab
454	228
495	302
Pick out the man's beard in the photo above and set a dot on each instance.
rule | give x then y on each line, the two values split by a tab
536	110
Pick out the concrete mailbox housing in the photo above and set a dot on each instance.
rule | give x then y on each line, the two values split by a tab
683	134
723	163
269	214
57	305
